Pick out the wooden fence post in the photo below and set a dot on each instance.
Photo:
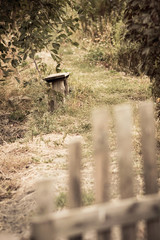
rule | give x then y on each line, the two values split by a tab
101	156
149	161
45	206
74	157
124	124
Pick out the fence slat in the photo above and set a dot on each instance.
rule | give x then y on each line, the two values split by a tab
124	124
101	156
149	161
45	206
74	157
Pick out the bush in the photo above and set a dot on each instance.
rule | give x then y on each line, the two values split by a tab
121	57
114	52
143	26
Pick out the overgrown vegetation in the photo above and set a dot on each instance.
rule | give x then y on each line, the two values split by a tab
96	15
90	85
27	27
33	28
143	25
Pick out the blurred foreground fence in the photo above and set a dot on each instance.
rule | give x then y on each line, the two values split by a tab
105	214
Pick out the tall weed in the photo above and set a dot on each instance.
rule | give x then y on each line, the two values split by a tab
114	52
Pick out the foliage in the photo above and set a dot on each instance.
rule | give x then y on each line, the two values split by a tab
90	86
143	24
115	53
94	15
26	27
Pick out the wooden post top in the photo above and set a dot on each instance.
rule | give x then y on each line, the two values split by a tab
56	77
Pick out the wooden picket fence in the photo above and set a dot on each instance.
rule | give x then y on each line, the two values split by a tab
106	214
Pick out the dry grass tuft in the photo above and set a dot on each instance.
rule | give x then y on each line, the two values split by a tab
11	161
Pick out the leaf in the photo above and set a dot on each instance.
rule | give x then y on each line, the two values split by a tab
53	56
75	44
25	56
17	79
62	36
31	55
6	60
56	45
54	51
25	84
76	19
2	47
14	63
69	33
58	68
13	49
6	72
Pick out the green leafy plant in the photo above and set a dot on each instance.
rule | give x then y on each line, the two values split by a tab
143	25
27	27
95	15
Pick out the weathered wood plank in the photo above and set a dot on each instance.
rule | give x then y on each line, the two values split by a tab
45	196
102	216
56	77
74	157
101	156
123	117
45	206
149	161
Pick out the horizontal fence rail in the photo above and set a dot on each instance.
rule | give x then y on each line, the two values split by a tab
101	216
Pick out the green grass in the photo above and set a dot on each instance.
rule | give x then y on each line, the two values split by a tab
93	86
90	85
61	200
87	199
